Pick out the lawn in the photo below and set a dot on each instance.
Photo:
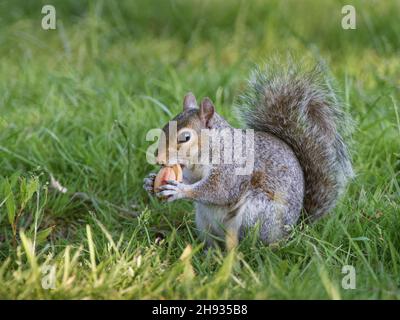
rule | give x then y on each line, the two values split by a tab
76	103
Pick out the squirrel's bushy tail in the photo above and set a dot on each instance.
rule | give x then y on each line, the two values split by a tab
300	107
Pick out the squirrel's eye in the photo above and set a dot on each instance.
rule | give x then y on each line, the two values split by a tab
184	137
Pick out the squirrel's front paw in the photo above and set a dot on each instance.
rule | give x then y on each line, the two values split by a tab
174	190
148	183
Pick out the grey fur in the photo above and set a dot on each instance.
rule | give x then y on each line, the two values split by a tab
298	105
300	159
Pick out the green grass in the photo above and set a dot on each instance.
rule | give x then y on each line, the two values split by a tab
75	103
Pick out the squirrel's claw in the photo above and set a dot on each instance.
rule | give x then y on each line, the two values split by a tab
172	191
148	189
148	183
172	182
171	185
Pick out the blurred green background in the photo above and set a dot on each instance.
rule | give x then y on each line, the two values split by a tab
78	101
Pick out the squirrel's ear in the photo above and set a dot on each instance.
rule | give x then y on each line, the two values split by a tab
189	102
206	111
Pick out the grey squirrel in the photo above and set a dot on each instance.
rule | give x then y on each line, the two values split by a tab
301	163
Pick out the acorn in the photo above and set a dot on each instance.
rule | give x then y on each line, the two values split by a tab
168	173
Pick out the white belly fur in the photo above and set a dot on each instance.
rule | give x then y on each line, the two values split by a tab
212	220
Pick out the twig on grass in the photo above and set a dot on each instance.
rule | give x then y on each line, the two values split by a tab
82	196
